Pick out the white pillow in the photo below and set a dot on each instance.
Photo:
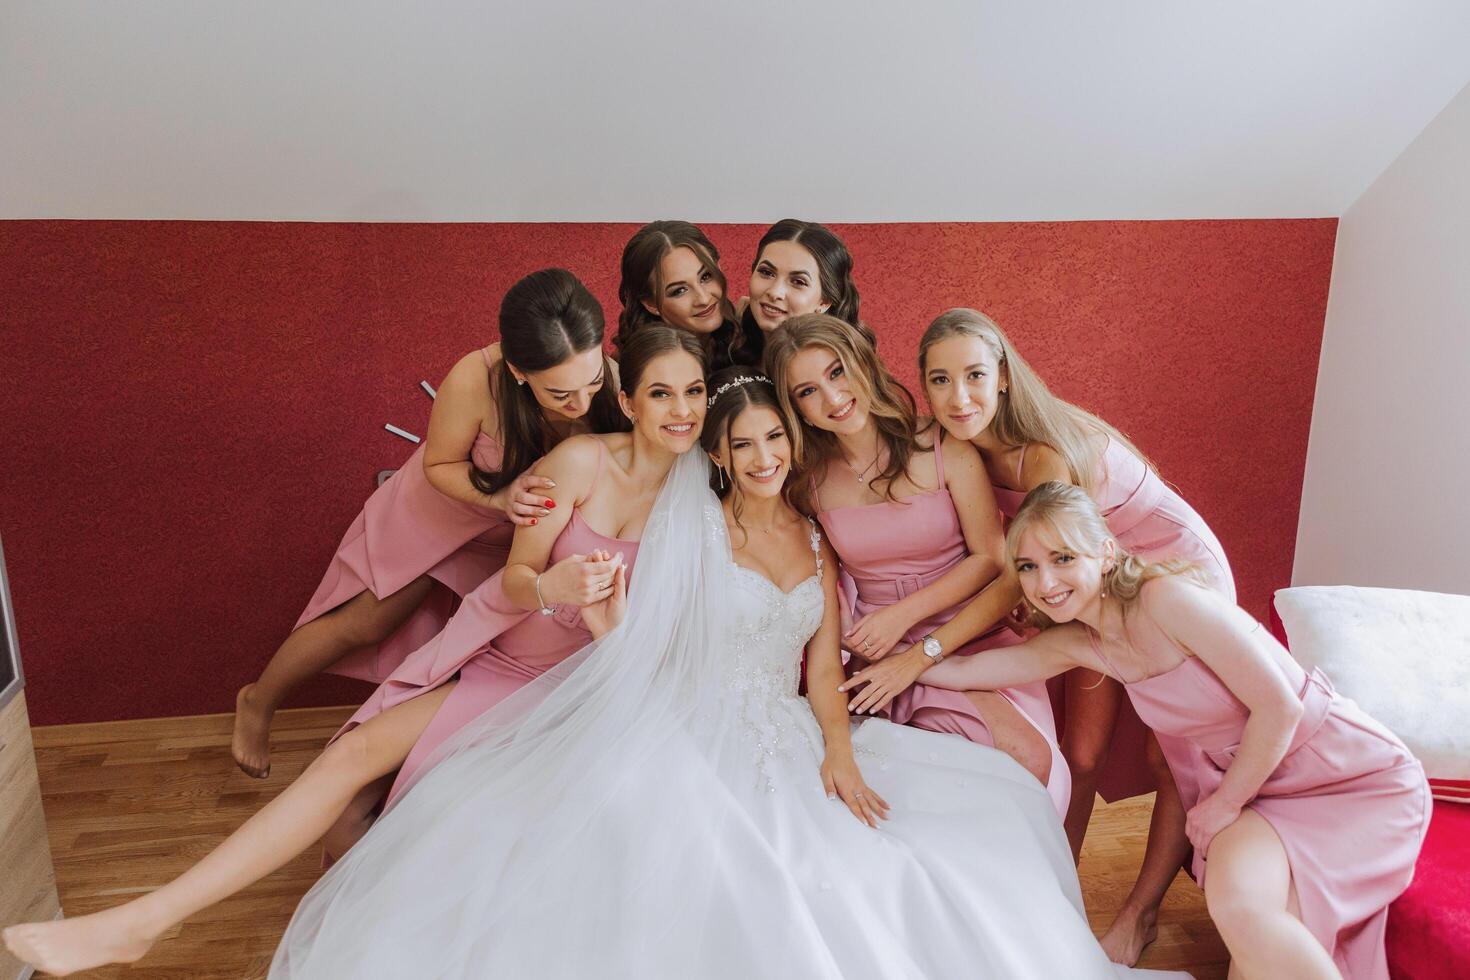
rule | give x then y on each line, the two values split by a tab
1403	656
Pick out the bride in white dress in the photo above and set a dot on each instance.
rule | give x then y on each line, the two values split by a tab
668	806
663	804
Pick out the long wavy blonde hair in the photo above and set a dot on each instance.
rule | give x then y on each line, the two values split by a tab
1028	412
888	402
1074	524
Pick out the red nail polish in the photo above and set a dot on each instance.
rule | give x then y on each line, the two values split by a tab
551	505
533	520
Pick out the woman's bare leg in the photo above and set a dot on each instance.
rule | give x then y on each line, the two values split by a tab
1136	924
1012	733
361	621
1253	901
1092	701
282	829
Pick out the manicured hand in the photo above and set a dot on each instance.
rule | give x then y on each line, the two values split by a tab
875	635
1206	819
601	617
843	780
884	681
527	501
579	580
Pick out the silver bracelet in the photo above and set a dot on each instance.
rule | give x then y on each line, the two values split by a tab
545	609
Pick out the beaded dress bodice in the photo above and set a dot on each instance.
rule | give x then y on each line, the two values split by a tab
770	632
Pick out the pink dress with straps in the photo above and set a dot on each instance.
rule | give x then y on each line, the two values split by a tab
892	549
407	529
1152	521
494	646
1349	801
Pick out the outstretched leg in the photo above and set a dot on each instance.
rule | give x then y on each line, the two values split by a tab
1251	897
361	621
283	828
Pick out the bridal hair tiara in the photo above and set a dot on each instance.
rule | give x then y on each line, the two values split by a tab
743	379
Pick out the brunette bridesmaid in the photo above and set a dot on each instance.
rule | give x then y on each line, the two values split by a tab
914	525
442	523
800	267
671	274
1306	815
981	390
606	485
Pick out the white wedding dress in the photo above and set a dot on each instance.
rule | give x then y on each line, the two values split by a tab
655	810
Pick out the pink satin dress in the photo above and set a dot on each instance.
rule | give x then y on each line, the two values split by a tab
892	549
1349	801
1152	521
494	646
407	529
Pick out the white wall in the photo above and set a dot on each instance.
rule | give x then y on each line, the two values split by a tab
590	110
1386	500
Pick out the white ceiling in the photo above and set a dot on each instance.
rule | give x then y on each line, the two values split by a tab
746	111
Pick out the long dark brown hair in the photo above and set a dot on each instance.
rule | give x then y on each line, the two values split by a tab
653	341
834	269
890	405
642	282
732	391
545	318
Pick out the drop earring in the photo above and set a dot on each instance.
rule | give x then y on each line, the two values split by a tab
720	470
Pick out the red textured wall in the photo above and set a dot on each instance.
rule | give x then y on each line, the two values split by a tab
193	411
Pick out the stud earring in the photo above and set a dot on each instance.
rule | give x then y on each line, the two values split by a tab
521	382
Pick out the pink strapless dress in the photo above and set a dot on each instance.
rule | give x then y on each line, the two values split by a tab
1151	521
892	549
1349	801
407	529
494	646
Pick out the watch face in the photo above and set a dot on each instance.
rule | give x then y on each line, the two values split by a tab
931	646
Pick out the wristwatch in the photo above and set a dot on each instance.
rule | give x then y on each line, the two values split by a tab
932	649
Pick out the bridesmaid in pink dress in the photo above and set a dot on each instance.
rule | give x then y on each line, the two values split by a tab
914	527
442	523
606	486
981	390
671	274
1306	815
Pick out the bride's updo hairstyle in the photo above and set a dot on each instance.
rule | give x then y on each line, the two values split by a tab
1070	521
546	318
733	390
1028	412
888	402
651	342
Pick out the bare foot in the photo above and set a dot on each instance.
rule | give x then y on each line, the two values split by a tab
69	945
1130	934
251	742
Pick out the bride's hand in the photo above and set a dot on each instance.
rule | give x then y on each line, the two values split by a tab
884	681
602	616
843	779
877	633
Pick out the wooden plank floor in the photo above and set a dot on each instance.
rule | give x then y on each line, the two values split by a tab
131	804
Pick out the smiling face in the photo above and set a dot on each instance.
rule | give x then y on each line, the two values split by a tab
1057	580
691	293
566	390
817	383
784	283
963	380
668	405
757	453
